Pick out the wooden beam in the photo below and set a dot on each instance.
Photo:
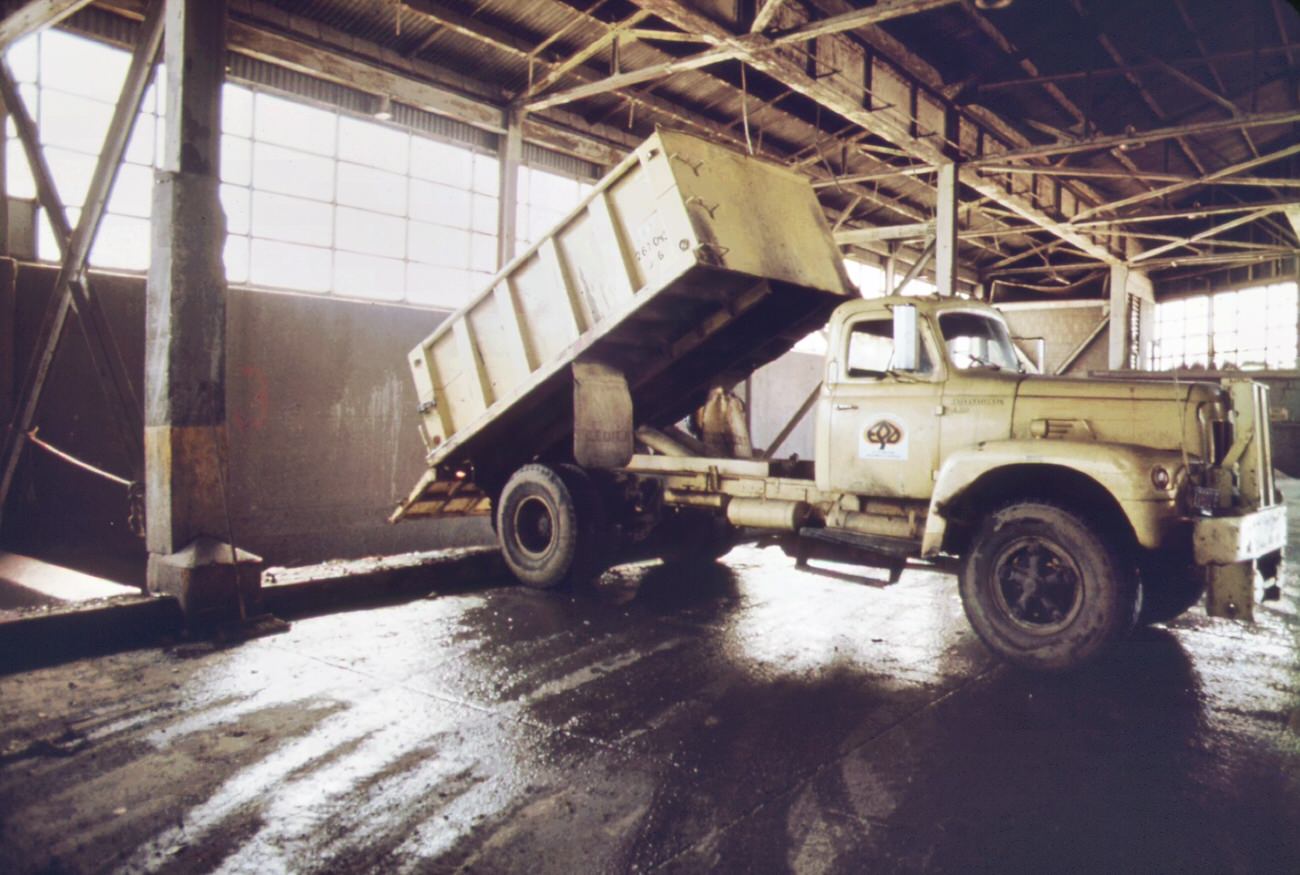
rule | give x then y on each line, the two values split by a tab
1109	72
884	10
894	125
1092	173
1202	235
1089	144
33	16
580	57
633	77
1182	186
765	15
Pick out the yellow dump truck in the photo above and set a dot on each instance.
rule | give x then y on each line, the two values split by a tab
1071	509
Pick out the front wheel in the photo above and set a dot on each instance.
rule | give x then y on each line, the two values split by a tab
1043	590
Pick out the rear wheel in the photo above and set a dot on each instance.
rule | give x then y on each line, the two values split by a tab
548	526
1043	590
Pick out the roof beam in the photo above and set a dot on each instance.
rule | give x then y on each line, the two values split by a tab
633	77
1182	186
580	57
1202	235
765	15
1092	173
898	125
884	10
1089	144
1106	72
33	16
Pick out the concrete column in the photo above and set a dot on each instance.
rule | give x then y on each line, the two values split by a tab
1125	283
945	230
185	341
512	155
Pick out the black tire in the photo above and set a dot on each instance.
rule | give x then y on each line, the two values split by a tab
547	526
1169	589
1043	590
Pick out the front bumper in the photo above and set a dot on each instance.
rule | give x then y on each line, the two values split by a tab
1231	548
1224	540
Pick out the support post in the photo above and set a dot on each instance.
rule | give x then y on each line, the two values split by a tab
186	491
1132	312
512	155
945	231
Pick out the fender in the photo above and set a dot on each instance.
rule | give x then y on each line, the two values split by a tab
1123	470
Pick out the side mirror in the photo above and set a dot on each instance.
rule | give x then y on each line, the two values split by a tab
907	339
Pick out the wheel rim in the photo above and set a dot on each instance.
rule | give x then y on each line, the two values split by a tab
1037	585
534	526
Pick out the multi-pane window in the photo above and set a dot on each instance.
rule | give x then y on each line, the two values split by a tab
316	200
544	198
70	86
1246	328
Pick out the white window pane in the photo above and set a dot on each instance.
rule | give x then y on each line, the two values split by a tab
487	175
65	60
237	202
483	253
72	172
236	259
440	204
22	58
122	243
373	145
289	266
236	160
290	123
290	172
437	286
372	189
293	220
371	233
132	192
441	162
553	191
236	110
47	247
19	182
484	214
436	245
73	122
369	277
140	148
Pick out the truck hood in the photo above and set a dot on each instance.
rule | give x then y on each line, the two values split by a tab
1151	413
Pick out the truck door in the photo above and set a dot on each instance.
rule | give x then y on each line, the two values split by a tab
881	429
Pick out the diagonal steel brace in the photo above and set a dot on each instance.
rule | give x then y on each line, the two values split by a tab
71	288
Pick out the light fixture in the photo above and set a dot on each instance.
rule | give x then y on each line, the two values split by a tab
383	108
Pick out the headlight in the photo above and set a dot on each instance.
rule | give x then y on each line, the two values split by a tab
1160	478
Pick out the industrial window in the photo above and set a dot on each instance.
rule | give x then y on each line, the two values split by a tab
316	200
545	197
1249	328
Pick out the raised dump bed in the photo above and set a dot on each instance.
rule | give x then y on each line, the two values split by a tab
687	265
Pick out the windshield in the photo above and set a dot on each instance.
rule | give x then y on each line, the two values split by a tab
977	341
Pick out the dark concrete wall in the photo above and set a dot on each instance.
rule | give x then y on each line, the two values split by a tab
323	440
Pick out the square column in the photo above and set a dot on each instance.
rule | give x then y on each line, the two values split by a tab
186	457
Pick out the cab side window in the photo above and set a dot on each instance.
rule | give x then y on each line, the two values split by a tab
871	350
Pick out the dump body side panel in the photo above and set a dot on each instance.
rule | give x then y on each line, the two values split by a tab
687	264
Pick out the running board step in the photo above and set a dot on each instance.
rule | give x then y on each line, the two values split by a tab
884	545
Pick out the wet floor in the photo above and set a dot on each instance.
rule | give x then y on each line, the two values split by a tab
746	718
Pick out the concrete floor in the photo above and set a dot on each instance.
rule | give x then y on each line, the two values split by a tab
750	718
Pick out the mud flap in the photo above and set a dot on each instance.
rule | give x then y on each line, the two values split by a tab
602	416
